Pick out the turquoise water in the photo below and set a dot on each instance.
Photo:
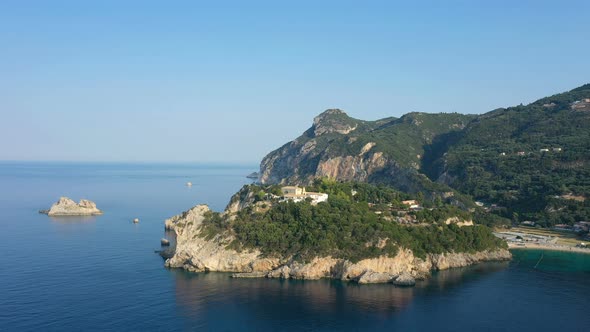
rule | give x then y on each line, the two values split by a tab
552	261
101	273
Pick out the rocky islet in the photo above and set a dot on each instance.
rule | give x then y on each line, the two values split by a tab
67	207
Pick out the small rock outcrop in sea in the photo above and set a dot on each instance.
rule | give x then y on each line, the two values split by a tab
253	175
404	279
136	221
164	242
67	207
372	277
198	253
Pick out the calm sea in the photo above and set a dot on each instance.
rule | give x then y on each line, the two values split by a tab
101	273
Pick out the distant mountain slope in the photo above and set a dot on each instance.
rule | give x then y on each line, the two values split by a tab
498	157
523	157
340	147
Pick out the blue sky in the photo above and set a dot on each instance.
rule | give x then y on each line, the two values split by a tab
223	81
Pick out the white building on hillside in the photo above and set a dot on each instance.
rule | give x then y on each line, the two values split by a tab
317	197
293	190
412	204
298	194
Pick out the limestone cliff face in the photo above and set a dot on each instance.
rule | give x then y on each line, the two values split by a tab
243	198
351	168
194	252
312	155
388	151
67	207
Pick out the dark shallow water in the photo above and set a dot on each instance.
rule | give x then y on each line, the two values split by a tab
101	273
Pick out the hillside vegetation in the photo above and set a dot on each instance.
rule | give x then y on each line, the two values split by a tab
350	225
501	158
528	162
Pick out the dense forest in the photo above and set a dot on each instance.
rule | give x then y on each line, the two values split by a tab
346	226
532	161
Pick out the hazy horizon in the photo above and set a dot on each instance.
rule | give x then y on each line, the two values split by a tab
222	164
148	81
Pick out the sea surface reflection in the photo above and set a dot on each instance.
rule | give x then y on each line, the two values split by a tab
204	299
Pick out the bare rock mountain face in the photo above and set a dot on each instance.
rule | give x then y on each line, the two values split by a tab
67	207
337	146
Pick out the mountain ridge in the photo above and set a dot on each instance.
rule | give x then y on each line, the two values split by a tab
495	157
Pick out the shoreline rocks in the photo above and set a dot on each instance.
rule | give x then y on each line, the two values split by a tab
372	277
196	253
253	176
250	275
67	207
404	280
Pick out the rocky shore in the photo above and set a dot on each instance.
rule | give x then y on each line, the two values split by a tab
194	252
67	207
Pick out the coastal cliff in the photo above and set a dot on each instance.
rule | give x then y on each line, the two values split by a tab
197	251
194	252
67	207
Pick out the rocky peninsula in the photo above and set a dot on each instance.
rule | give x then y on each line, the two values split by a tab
195	251
67	207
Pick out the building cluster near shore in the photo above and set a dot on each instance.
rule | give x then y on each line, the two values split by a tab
536	241
523	238
579	227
